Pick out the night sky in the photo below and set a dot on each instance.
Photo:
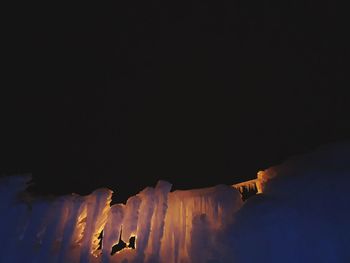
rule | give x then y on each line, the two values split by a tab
194	92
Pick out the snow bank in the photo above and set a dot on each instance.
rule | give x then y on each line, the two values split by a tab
303	214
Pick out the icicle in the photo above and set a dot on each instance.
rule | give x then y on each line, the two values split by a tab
157	225
112	231
146	210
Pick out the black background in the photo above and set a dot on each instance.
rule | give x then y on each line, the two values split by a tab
195	92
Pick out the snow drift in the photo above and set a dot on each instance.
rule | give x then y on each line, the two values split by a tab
303	214
299	214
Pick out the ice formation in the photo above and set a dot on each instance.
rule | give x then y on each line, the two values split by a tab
300	214
76	228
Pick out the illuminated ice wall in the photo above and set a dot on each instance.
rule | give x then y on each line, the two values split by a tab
156	225
300	212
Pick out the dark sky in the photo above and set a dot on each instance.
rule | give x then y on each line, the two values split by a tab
194	92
